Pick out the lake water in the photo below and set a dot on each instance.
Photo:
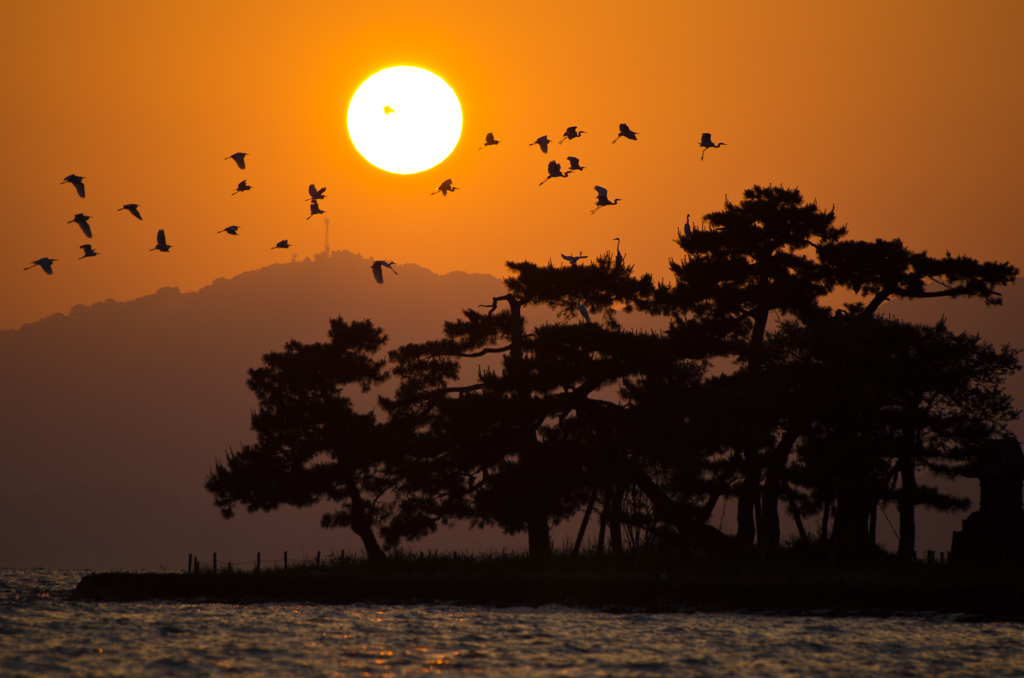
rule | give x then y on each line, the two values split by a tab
42	633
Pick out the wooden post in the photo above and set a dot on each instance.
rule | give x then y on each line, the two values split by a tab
318	559
257	562
190	563
229	567
285	560
215	562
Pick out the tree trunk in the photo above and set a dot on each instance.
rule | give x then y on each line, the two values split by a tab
906	504
539	535
361	524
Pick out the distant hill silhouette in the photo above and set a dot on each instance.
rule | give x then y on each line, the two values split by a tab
111	416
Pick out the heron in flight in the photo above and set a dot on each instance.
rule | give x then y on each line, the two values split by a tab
574	164
77	182
283	245
602	199
554	171
445	187
161	242
83	223
624	131
706	143
230	230
571	133
314	209
620	258
489	140
378	270
87	251
542	142
316	193
573	259
46	263
133	209
242	186
239	159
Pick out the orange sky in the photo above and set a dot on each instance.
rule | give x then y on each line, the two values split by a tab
907	119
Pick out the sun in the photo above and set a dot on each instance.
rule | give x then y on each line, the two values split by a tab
404	119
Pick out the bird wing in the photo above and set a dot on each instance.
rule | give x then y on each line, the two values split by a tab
85	227
554	169
378	274
161	239
601	192
312	191
705	139
623	128
46	265
490	138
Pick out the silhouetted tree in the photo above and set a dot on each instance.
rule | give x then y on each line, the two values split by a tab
311	442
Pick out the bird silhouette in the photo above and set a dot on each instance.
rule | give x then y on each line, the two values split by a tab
388	110
602	199
686	228
489	140
542	142
706	143
83	223
378	270
46	263
161	242
582	307
314	209
624	131
574	164
242	186
620	258
316	193
283	245
445	187
239	159
87	251
573	259
77	182
554	171
133	209
230	230
570	133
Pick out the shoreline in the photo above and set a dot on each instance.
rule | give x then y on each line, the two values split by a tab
827	595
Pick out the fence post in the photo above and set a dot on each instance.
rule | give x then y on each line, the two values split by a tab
257	562
215	562
285	560
318	559
190	563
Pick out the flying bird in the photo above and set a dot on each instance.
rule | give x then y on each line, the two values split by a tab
314	209
388	110
624	131
161	242
602	199
83	222
570	133
230	230
242	186
77	182
489	140
316	193
283	245
46	263
582	308
554	171
620	258
133	209
378	270
87	251
706	143
573	259
574	164
445	187
239	159
542	142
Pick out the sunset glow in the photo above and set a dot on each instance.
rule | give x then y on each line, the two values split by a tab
404	119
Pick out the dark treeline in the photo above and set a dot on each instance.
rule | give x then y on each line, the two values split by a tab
757	392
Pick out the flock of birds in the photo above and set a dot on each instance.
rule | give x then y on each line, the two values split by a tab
377	267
